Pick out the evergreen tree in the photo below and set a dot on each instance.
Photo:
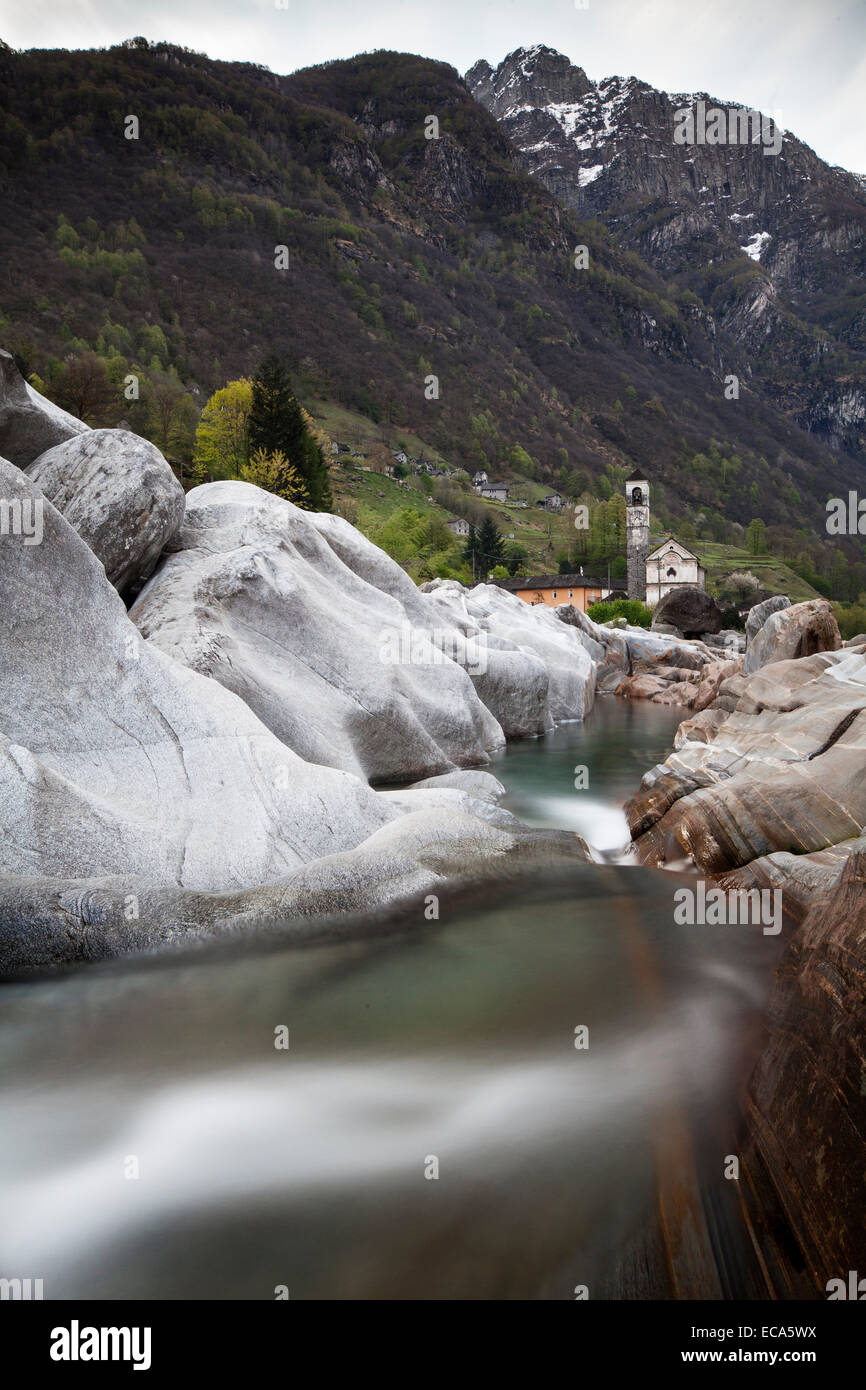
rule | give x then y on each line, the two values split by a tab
472	550
490	544
277	426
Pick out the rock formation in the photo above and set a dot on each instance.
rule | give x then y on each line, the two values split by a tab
689	610
760	612
792	632
115	759
322	635
807	1101
537	673
29	424
120	495
773	766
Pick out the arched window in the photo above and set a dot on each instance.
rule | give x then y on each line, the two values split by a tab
672	574
636	497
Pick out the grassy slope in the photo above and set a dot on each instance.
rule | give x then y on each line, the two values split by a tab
775	575
544	536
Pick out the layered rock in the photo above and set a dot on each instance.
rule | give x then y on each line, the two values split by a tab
806	1148
637	664
121	496
780	769
793	632
29	424
760	612
322	635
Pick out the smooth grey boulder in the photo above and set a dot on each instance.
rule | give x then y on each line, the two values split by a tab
48	922
759	614
592	638
324	636
690	610
121	496
789	633
537	672
116	760
29	424
482	785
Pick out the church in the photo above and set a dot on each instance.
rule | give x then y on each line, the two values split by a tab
652	573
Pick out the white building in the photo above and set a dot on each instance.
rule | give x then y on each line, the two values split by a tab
672	566
459	526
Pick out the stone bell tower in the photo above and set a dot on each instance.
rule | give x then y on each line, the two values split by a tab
637	533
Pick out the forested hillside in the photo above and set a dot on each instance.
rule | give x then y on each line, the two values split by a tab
428	284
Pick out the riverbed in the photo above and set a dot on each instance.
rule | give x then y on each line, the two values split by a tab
532	1097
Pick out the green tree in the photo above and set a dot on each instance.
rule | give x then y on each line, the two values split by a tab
756	537
472	550
516	556
222	436
171	415
275	474
277	424
490	544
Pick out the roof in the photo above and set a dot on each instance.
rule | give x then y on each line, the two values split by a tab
549	581
637	477
666	540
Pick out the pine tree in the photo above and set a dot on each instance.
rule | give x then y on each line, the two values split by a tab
490	544
472	551
277	425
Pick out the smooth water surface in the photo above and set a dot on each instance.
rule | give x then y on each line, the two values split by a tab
432	1131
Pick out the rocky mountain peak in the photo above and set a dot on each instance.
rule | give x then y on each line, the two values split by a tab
770	236
527	78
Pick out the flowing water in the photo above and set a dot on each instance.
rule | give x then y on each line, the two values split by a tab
433	1129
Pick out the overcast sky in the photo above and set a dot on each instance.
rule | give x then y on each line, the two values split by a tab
803	61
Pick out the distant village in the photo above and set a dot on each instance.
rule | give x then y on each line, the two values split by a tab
654	569
401	463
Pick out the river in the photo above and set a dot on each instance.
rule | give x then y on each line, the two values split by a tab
436	1127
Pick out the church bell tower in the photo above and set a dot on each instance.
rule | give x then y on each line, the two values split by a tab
637	533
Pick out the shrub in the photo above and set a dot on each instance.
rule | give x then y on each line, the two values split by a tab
634	612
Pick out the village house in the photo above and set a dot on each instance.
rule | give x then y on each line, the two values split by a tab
479	479
459	526
551	503
554	589
496	492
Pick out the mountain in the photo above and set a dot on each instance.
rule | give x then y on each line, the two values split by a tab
769	237
409	258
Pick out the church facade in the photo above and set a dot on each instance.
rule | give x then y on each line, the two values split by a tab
652	573
670	566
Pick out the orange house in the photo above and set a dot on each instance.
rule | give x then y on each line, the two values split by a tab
554	589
